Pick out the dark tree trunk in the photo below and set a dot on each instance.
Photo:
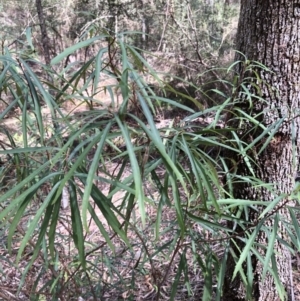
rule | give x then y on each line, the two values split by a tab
268	32
45	38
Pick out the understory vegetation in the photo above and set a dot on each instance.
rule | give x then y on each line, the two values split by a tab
118	157
110	201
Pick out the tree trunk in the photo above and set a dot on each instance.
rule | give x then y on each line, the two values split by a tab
268	32
45	38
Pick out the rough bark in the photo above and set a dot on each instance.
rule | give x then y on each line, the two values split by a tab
45	38
268	32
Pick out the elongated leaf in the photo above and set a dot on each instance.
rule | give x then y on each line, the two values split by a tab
79	160
270	132
98	68
272	205
77	229
177	277
15	202
246	158
208	187
17	218
135	170
28	37
105	207
271	248
249	244
34	223
222	271
195	171
279	285
91	174
155	138
207	292
206	223
101	227
296	227
250	277
74	48
37	106
42	233
53	224
26	150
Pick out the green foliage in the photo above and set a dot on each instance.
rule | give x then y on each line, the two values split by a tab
173	206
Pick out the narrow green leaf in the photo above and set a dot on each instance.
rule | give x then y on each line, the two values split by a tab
208	224
154	136
239	202
249	244
222	271
15	202
98	68
271	205
76	47
208	187
77	229
37	105
79	160
129	209
41	237
270	132
270	250
28	37
27	150
91	175
101	227
279	285
207	292
135	170
296	227
177	277
53	224
34	222
244	154
17	218
105	206
250	277
195	171
34	83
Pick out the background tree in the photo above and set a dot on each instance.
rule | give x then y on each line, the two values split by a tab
204	30
268	33
44	34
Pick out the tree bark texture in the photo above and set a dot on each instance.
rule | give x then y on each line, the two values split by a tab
268	32
45	38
